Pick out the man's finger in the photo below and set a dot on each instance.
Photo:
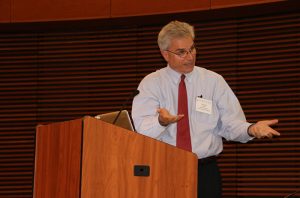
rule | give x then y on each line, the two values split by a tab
179	117
274	132
271	122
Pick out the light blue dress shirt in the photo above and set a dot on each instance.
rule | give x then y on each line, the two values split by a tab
160	90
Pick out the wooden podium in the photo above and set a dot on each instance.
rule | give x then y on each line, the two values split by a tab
89	158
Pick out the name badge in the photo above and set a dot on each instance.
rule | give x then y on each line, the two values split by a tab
203	105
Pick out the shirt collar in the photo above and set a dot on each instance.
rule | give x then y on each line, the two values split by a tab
175	76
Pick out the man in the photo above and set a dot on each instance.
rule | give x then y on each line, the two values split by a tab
192	108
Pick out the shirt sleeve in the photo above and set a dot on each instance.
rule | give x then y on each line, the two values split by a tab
232	124
144	109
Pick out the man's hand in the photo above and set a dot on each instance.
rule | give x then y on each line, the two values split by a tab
165	118
262	129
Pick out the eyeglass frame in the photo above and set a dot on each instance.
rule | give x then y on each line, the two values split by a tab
185	52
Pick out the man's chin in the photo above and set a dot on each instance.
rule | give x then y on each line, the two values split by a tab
189	68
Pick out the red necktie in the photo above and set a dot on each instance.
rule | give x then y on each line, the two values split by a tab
183	127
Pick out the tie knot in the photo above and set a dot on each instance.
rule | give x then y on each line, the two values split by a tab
182	77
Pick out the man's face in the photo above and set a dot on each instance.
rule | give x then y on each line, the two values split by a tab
181	55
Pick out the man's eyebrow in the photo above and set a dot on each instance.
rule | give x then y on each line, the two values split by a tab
183	49
180	49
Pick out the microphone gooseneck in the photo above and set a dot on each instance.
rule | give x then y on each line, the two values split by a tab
133	94
293	193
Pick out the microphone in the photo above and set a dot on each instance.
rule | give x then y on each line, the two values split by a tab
132	95
293	193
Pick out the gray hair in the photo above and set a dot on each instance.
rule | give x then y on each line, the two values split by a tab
174	29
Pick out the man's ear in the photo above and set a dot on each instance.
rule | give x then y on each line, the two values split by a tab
165	54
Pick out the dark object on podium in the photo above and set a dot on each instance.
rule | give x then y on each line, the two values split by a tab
141	170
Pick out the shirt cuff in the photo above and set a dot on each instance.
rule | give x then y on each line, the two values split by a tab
250	136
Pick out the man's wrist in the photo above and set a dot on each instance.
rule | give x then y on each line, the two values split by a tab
249	130
162	123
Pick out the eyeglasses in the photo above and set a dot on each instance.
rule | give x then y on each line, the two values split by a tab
182	53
